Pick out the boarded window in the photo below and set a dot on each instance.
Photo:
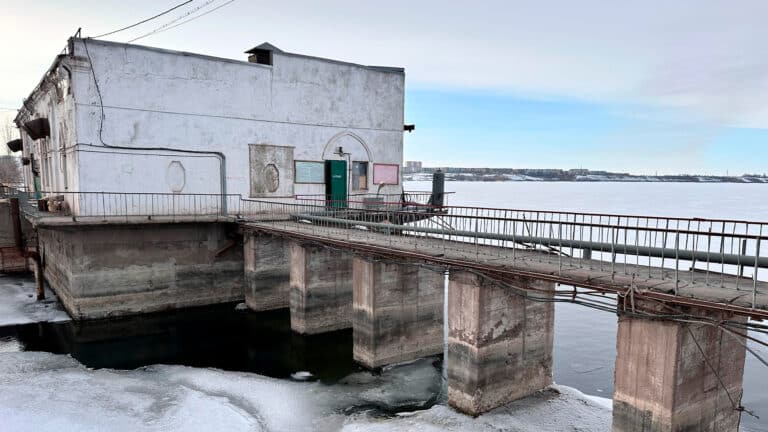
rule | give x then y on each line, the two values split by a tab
360	175
386	174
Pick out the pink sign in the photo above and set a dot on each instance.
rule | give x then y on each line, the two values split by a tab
386	174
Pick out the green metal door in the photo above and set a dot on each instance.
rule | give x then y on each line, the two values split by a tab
336	183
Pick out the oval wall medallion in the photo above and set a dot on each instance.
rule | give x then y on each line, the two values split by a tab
175	176
271	178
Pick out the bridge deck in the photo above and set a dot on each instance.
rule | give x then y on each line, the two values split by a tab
628	273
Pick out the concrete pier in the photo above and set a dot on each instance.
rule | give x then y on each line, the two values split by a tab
267	272
397	312
499	344
321	289
665	379
110	270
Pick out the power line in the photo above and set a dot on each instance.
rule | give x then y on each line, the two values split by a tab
199	16
143	21
164	26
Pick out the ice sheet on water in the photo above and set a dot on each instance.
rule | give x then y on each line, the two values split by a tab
557	409
18	304
301	376
48	392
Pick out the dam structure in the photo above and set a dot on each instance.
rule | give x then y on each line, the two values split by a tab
682	289
158	180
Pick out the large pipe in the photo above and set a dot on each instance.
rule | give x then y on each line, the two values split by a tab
655	252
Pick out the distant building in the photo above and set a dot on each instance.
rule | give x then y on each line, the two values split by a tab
578	171
127	118
412	166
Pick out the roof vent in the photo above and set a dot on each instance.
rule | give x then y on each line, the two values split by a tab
262	54
38	128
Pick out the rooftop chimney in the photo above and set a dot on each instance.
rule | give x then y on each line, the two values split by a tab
262	54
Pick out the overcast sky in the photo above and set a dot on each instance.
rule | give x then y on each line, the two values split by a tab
634	86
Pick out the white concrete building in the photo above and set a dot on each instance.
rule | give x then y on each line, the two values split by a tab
130	118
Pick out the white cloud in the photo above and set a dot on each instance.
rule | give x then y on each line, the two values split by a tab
702	60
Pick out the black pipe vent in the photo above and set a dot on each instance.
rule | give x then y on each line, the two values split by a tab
38	128
15	145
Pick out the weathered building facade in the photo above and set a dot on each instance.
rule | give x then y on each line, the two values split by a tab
116	130
128	118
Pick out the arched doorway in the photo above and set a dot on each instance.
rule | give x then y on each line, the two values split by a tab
352	149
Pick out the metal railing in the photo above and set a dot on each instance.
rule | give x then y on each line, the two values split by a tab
375	200
120	205
680	252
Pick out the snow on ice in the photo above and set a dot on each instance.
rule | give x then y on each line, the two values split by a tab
48	392
18	304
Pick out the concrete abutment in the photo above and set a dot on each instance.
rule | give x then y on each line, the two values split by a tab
499	344
673	376
321	289
397	312
101	271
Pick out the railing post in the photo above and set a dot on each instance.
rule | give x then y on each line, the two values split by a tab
754	278
677	261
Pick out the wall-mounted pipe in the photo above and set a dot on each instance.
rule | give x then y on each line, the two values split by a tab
219	155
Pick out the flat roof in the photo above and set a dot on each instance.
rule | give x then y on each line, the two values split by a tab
387	69
265	45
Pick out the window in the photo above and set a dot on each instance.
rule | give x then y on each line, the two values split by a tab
359	175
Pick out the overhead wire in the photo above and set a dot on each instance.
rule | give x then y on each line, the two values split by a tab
198	16
173	21
143	21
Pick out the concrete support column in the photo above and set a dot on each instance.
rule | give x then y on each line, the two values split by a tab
321	289
665	379
267	272
397	312
499	344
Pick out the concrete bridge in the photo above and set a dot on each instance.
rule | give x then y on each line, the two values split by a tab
682	289
682	297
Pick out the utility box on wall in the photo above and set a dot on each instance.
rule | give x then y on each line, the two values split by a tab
271	171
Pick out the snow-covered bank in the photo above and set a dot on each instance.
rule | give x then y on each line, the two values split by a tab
18	304
48	392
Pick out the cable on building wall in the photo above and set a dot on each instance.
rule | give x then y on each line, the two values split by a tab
219	155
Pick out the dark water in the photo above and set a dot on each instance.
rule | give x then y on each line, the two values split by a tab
213	336
240	340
